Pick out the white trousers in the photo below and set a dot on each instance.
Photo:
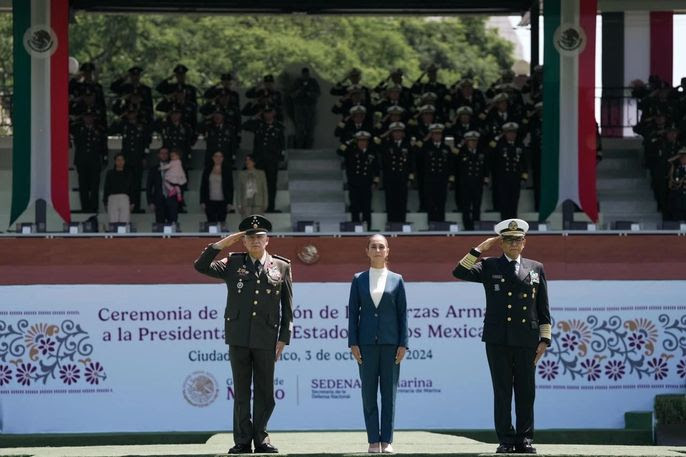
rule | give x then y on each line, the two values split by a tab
118	209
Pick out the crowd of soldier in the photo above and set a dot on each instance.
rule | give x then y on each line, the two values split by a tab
663	128
434	138
178	127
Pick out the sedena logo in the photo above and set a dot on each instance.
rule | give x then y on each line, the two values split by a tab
40	41
200	389
569	40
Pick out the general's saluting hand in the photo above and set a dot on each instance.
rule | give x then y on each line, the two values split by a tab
228	241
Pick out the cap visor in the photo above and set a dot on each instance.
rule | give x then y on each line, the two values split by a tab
512	233
259	231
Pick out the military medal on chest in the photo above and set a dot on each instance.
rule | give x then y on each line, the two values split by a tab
273	272
534	277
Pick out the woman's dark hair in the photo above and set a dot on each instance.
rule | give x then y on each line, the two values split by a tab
377	235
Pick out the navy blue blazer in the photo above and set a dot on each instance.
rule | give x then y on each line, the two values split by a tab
386	324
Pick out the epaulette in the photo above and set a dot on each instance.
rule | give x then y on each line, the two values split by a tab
377	140
341	124
419	143
493	144
482	116
343	147
276	256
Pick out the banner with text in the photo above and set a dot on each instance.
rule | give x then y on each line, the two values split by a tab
125	358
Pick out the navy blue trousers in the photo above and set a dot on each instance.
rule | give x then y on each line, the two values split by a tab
512	369
379	372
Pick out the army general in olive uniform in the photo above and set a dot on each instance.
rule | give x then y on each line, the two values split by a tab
516	331
258	323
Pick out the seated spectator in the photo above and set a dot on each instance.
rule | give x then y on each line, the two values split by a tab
165	207
118	191
251	193
216	189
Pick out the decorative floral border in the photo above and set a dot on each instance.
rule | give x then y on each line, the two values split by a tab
36	353
616	349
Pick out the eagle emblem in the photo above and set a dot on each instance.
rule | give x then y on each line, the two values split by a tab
570	39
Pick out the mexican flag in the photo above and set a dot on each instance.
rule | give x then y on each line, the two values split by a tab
568	162
40	149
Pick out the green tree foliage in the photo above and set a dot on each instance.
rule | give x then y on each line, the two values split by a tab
252	46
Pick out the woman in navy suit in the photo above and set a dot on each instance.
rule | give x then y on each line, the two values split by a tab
377	337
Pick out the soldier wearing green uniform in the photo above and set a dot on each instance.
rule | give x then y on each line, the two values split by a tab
517	328
258	321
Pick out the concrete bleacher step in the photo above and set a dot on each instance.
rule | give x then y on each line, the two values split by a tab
320	207
620	163
620	173
315	185
332	174
305	196
622	145
322	153
621	154
624	192
620	183
308	165
644	196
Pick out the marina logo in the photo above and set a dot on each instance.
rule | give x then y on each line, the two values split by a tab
40	41
569	40
200	389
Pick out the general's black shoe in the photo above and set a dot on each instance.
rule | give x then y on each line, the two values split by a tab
505	449
266	448
525	448
241	449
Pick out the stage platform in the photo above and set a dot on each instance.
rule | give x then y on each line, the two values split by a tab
345	443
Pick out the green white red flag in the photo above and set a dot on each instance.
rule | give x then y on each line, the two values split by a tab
40	149
568	165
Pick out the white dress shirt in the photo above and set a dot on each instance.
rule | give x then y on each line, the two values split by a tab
377	283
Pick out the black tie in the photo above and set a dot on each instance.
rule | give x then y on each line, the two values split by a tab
513	268
258	267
